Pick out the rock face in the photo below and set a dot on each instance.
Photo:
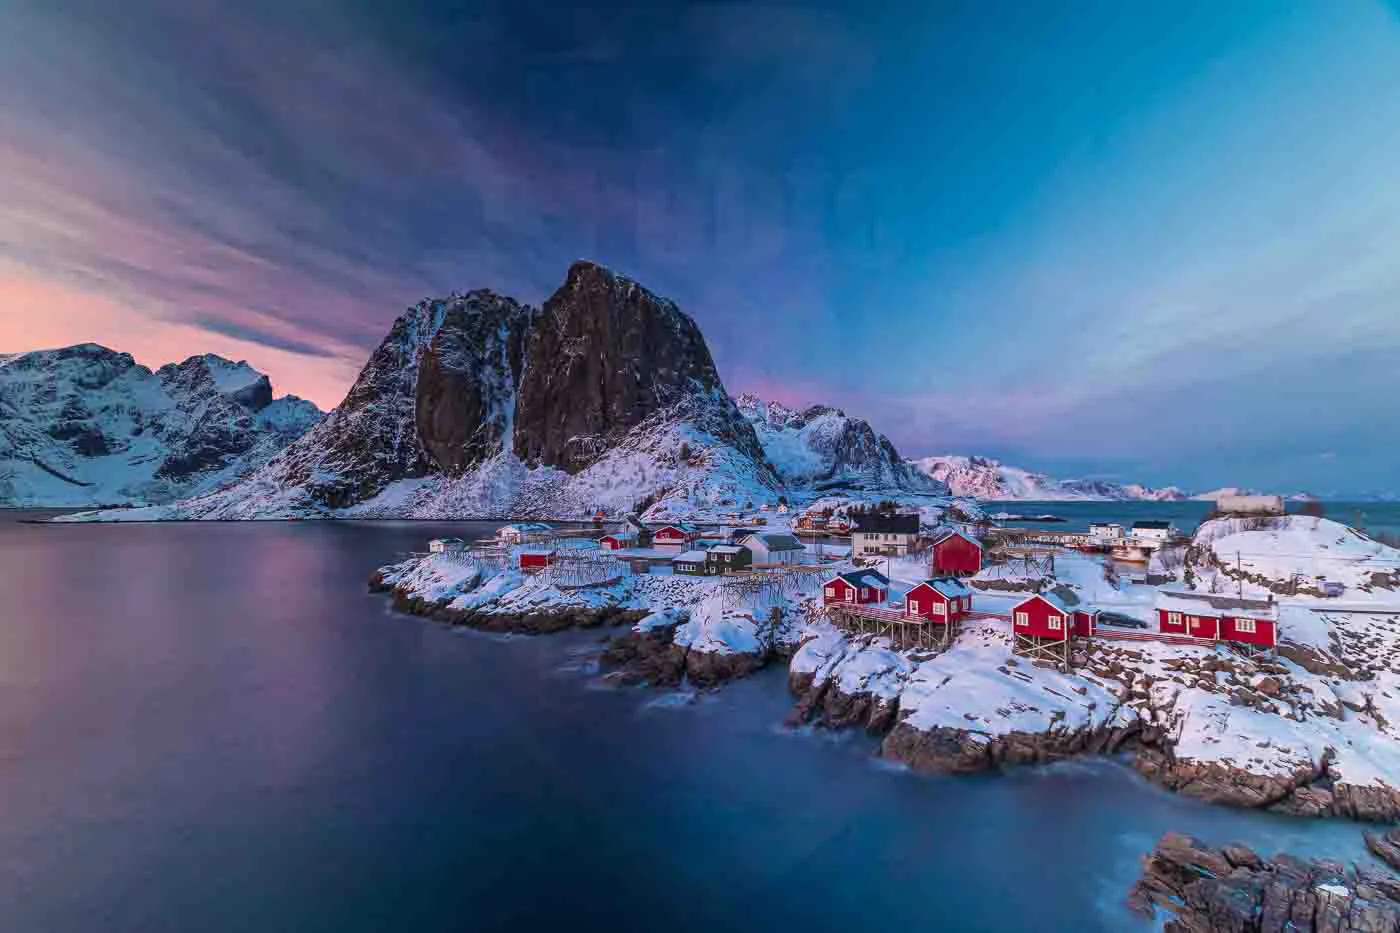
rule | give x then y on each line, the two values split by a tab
86	425
1234	890
479	406
605	356
826	449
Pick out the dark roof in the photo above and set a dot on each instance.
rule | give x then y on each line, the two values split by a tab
1153	523
887	524
777	541
866	577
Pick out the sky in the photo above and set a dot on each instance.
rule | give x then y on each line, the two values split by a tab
1154	242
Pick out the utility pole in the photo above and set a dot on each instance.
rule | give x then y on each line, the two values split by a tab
1239	579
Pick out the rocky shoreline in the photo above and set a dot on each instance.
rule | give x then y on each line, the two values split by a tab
1232	889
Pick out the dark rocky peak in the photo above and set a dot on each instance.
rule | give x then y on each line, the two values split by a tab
87	365
208	372
605	355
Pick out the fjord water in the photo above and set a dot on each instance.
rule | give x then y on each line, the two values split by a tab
214	727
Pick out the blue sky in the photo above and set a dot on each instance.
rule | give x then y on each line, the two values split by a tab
1153	242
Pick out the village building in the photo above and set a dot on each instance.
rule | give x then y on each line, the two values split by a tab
1250	505
725	558
1105	534
1218	617
675	534
1153	533
690	563
956	554
884	535
520	532
770	548
533	560
619	541
943	599
861	587
446	546
1043	627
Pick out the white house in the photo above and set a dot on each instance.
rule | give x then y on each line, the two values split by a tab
774	548
1105	534
520	532
1153	534
884	535
446	546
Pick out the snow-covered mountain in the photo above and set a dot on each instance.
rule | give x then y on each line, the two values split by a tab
479	406
826	449
85	425
984	478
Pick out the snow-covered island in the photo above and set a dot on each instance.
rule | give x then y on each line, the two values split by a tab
1309	730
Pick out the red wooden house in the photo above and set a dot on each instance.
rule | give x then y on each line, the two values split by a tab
861	587
618	541
1218	617
939	600
956	553
1042	616
1084	622
679	533
535	560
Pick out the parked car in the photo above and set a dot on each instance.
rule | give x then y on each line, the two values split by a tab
1118	620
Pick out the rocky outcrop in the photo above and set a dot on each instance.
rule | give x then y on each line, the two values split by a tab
1234	890
606	355
962	751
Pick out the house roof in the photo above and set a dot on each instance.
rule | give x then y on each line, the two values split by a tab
447	541
886	524
521	527
868	576
689	557
777	541
1215	604
1153	524
686	527
727	549
946	586
944	534
1056	602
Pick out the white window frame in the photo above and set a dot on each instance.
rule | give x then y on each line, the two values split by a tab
1023	619
831	592
1245	625
1055	623
1173	618
939	609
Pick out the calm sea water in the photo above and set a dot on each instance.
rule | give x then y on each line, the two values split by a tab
214	728
1372	516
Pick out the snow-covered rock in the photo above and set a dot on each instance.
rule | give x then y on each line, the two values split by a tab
826	449
1295	555
985	478
85	425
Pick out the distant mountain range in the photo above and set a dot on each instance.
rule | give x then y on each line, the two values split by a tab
85	425
984	478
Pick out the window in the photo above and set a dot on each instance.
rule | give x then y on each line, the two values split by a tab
1173	618
1244	625
1022	619
939	610
831	591
864	592
1054	622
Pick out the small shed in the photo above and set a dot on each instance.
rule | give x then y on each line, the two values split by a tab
861	587
536	559
1085	622
520	532
943	599
956	553
619	541
723	558
690	563
446	546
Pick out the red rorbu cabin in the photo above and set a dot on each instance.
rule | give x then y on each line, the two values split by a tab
956	553
680	533
535	560
1085	621
861	587
1042	616
617	541
939	600
1221	618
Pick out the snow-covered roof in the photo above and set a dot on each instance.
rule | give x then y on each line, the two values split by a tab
776	541
447	541
947	586
866	577
689	557
727	549
1215	604
1055	602
626	535
685	527
1153	525
944	534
